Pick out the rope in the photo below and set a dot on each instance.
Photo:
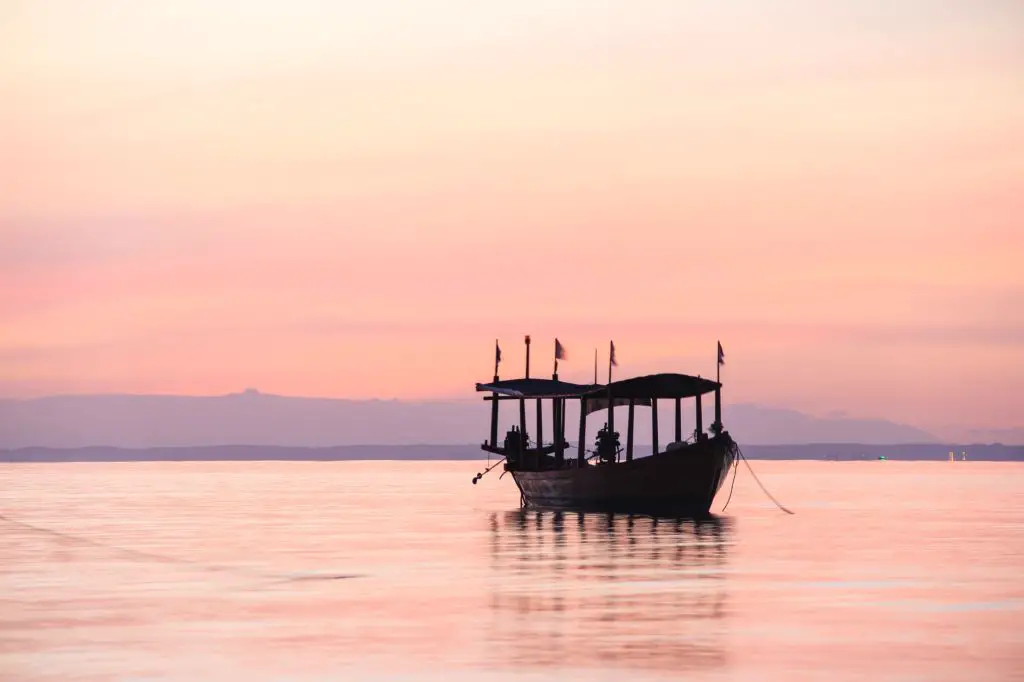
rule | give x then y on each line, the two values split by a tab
735	470
488	470
763	488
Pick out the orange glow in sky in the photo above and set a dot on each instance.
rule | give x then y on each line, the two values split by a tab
354	199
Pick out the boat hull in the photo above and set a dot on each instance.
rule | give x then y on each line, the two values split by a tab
683	481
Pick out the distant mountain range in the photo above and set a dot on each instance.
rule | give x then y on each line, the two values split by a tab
996	435
256	419
255	453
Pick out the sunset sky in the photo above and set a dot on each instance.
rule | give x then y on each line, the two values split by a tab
354	199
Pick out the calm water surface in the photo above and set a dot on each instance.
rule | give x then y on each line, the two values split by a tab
404	571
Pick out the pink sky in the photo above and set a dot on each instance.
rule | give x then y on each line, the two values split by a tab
355	199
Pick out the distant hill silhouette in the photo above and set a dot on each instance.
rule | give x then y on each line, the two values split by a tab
257	419
996	435
253	453
775	426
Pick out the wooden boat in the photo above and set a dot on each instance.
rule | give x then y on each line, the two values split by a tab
682	479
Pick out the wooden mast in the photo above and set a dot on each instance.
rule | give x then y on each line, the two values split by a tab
556	422
679	419
718	390
581	456
522	412
527	356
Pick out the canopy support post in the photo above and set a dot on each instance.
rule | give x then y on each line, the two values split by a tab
494	417
718	410
581	457
540	430
679	419
699	430
561	420
654	426
611	412
556	422
629	433
522	432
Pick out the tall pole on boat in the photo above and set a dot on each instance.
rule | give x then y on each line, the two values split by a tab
497	358
718	365
718	390
595	366
611	360
611	404
557	406
527	356
494	397
522	409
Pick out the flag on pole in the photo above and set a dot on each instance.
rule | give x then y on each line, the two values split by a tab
497	353
721	354
611	355
559	350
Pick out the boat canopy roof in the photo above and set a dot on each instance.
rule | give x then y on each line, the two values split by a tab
640	389
655	386
537	388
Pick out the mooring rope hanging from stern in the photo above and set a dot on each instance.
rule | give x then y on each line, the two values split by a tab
732	486
763	489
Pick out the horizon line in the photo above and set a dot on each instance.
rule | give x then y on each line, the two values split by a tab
805	444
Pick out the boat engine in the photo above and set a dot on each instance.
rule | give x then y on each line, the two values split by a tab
607	445
514	446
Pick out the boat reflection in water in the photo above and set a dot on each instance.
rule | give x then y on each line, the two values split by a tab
585	590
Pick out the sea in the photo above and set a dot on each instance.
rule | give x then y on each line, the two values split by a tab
313	571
